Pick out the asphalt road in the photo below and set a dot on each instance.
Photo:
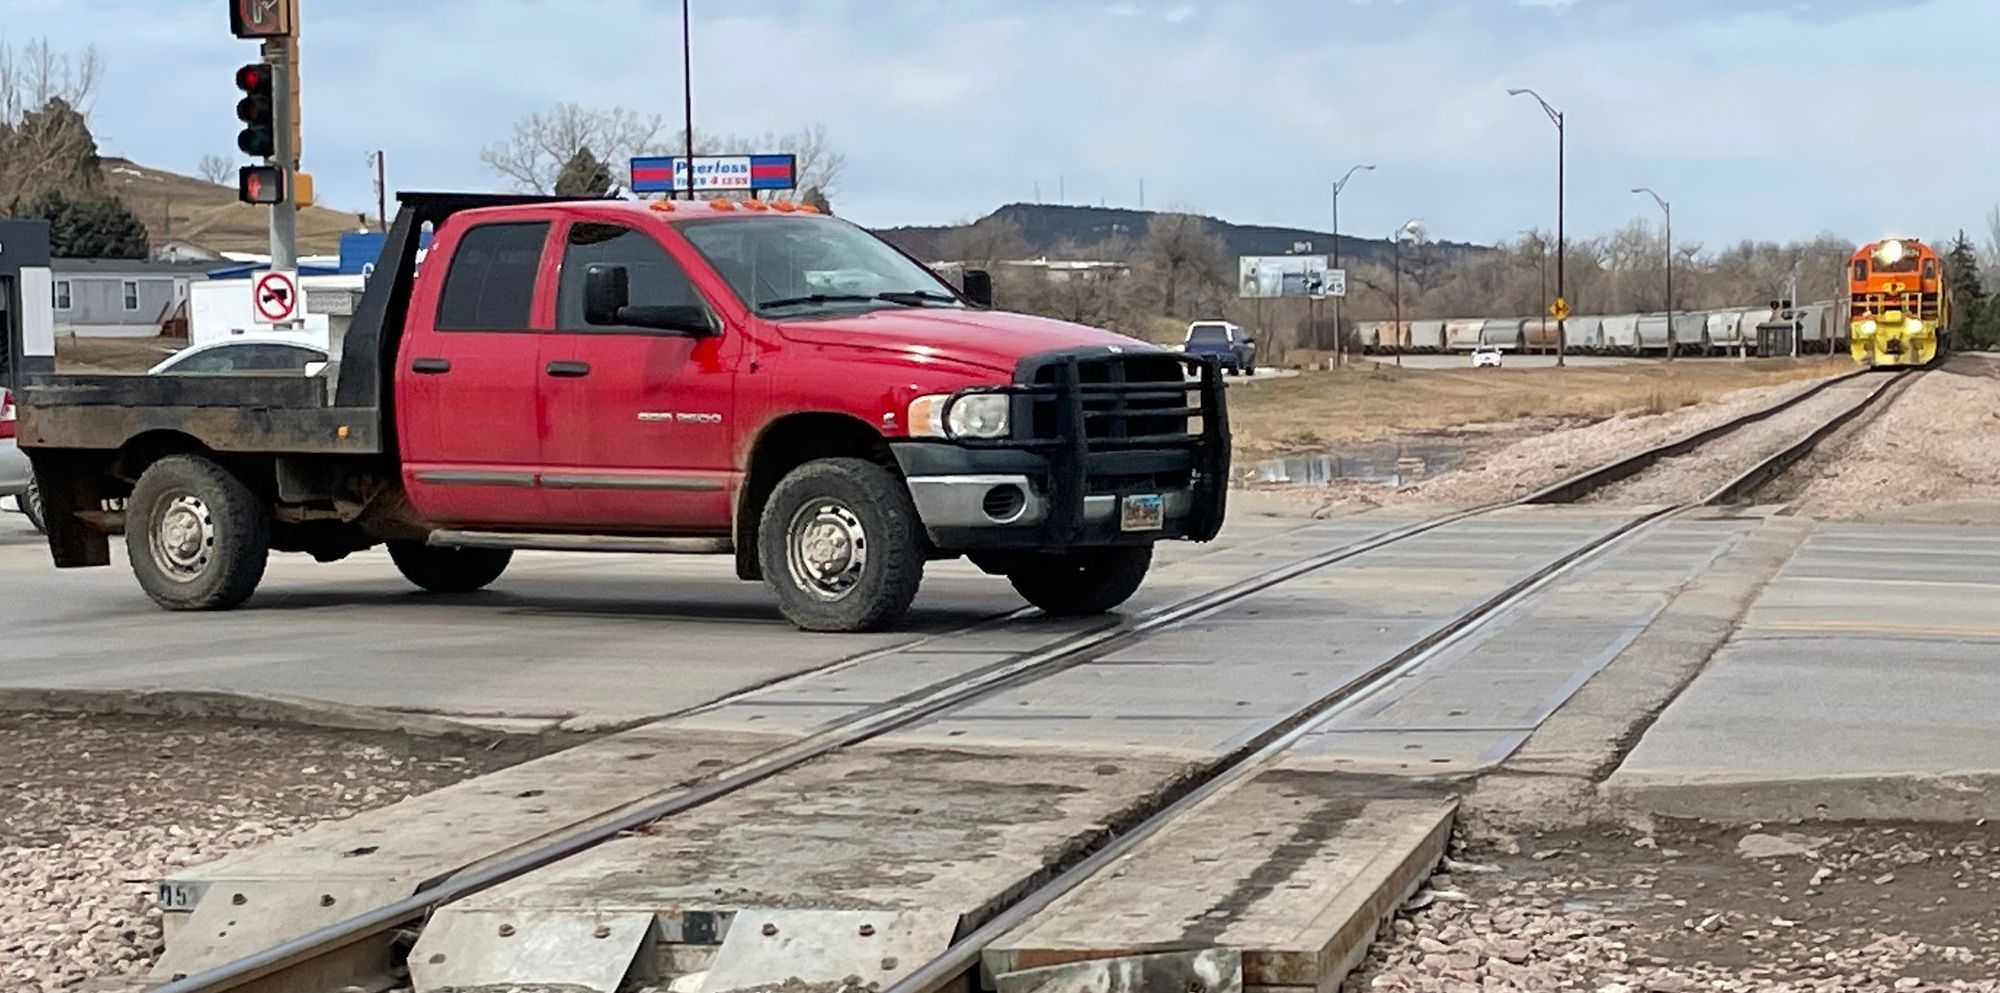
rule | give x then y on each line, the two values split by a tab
610	636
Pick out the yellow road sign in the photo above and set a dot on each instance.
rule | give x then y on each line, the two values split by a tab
1559	309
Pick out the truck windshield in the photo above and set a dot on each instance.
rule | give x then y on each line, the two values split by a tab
786	266
1208	334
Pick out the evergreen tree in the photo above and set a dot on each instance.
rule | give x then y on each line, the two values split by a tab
583	176
1961	275
92	226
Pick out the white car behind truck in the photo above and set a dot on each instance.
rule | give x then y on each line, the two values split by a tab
1486	356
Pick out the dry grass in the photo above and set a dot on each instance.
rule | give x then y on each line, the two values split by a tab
112	354
1320	410
190	209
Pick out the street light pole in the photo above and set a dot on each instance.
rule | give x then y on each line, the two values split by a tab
1667	209
1562	245
1410	230
1338	343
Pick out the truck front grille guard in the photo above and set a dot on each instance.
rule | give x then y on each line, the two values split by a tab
1071	447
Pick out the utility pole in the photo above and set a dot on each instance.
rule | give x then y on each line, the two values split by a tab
687	92
1338	344
1562	245
381	192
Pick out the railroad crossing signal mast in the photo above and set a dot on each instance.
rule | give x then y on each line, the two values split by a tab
269	110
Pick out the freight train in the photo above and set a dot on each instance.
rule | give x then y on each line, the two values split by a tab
1777	328
1898	304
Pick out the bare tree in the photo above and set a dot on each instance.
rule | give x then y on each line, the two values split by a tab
818	166
989	240
543	142
45	140
1180	248
216	169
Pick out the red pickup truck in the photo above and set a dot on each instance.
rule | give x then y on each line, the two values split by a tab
677	376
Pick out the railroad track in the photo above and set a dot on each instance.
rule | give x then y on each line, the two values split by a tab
287	965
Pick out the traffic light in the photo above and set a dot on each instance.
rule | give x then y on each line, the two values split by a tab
264	184
256	110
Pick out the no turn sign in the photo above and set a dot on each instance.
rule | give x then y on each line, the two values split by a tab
275	297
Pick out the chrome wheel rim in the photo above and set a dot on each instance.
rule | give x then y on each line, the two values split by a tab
183	536
827	549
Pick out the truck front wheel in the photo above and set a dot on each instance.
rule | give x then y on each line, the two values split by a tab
1087	581
197	537
841	545
449	570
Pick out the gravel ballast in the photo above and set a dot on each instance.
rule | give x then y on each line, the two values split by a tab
1776	909
99	808
1934	446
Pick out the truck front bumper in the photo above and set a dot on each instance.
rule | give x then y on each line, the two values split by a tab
1079	484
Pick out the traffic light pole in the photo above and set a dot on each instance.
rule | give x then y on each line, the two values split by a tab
284	214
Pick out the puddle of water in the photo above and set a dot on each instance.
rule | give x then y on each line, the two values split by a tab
1382	465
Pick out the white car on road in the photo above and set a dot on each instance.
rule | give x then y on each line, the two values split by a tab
1486	356
17	479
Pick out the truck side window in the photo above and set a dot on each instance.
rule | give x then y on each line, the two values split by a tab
655	279
491	284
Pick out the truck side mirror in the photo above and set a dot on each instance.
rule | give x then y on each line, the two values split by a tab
979	287
606	290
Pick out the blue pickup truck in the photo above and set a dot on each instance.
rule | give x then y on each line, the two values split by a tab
1228	343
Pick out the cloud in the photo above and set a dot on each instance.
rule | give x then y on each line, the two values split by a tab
1745	112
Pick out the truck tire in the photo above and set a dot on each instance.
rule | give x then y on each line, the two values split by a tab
1088	581
841	546
197	537
449	570
31	507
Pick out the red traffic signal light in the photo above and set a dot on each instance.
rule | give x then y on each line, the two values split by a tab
256	110
263	184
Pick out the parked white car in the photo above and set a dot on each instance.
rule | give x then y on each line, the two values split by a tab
244	355
17	478
1486	356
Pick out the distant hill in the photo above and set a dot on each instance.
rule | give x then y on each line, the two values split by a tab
185	208
1052	229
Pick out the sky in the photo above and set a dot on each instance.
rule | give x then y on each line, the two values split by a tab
1764	119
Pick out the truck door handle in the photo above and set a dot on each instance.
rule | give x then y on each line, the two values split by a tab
429	366
569	370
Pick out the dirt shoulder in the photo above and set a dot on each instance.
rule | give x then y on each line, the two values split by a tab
1786	909
1929	456
1518	429
99	808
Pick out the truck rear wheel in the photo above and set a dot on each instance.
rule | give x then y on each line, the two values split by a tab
1087	581
197	537
449	570
31	507
841	545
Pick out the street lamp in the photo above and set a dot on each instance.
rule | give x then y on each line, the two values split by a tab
1337	187
1668	209
1411	231
1556	117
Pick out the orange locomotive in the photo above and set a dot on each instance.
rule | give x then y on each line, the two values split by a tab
1898	305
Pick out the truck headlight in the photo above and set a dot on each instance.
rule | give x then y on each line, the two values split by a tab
974	415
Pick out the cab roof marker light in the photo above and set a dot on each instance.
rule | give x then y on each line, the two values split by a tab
806	208
663	206
783	206
755	204
721	204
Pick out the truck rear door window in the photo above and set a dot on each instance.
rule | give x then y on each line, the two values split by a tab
655	279
491	284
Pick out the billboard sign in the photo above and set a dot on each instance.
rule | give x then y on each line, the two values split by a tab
1272	276
714	173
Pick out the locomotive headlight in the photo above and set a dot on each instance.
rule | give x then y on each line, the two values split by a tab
1916	327
1890	252
1868	327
